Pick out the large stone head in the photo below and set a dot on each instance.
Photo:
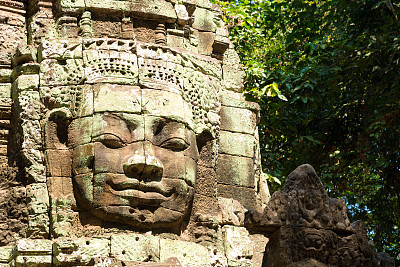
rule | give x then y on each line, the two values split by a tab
132	133
134	158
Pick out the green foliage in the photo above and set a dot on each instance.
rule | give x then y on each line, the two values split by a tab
326	75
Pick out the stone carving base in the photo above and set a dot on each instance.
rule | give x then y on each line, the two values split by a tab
236	249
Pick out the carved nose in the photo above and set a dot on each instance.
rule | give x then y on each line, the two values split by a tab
144	167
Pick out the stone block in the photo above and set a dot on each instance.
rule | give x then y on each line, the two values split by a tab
238	246
27	105
59	163
38	225
190	171
206	155
233	74
77	98
82	159
25	69
54	139
203	20
5	90
166	104
159	9
36	173
174	164
5	75
205	205
60	49
31	156
60	187
32	141
188	253
27	82
206	41
6	254
80	132
103	27
141	247
202	3
81	251
229	120
71	5
3	150
33	260
65	72
230	211
246	196
117	98
166	215
85	97
152	9
110	5
206	181
175	40
37	198
180	200
62	216
84	189
233	170
259	242
34	246
237	144
236	100
112	162
233	78
182	14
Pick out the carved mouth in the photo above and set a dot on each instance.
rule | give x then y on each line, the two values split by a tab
130	187
136	197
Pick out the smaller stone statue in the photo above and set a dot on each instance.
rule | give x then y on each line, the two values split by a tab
307	228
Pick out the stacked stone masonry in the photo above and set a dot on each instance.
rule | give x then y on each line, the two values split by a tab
125	139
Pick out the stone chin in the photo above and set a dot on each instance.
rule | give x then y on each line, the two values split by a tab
143	205
141	218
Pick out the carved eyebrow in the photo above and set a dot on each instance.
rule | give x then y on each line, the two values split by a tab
177	119
103	134
174	138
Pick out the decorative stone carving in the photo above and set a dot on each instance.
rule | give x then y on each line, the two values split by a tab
117	139
307	228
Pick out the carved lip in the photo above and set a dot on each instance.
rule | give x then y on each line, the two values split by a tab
127	187
137	197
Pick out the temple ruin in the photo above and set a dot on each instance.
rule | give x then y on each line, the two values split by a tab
125	140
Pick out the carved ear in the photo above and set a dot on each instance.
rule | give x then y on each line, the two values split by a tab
56	129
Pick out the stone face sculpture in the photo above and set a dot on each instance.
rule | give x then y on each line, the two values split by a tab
139	168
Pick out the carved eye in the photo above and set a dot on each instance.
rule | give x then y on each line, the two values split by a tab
175	144
112	141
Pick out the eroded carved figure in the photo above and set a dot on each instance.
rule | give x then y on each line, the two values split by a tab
125	140
307	228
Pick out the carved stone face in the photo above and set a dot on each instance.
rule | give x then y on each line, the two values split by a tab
139	166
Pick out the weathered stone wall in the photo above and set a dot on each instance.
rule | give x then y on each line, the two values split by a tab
73	72
13	214
125	140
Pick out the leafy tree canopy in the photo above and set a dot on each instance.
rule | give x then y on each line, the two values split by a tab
326	75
